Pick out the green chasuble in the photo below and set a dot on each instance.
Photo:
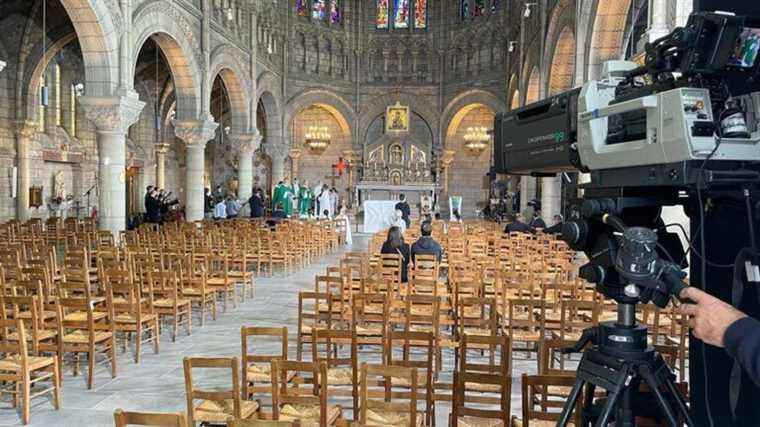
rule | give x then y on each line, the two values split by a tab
305	197
287	202
279	196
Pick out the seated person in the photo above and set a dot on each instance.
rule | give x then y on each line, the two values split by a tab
537	221
556	227
426	245
517	225
220	209
395	244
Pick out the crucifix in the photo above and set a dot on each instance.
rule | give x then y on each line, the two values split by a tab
332	177
338	167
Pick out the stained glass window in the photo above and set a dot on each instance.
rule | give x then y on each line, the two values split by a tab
479	8
318	9
382	14
474	8
400	13
464	10
335	15
420	14
302	7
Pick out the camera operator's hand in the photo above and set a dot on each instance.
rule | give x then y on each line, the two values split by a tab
710	317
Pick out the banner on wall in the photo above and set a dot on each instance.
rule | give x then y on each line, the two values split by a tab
455	203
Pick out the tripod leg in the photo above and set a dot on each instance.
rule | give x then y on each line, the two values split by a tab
654	385
684	411
612	398
567	410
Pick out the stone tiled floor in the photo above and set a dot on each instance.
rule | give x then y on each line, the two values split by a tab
157	383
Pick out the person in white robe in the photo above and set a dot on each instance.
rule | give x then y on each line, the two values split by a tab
317	205
344	217
325	203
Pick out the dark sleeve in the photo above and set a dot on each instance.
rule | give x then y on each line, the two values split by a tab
742	341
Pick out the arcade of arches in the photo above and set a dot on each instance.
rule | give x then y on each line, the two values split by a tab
101	98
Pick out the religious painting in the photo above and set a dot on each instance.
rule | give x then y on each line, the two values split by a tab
478	8
397	119
335	15
420	14
302	7
396	154
418	157
396	177
35	196
377	155
318	9
401	13
382	14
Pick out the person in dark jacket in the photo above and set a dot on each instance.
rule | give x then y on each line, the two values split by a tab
406	211
717	323
517	225
257	204
537	221
426	245
395	244
148	190
556	228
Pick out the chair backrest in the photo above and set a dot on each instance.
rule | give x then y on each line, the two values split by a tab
122	294
551	360
472	378
378	409
312	373
537	406
17	346
327	345
309	310
124	419
411	349
229	364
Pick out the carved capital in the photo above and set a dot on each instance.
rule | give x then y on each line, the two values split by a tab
295	154
242	142
195	132
448	157
26	129
350	156
162	149
278	152
112	113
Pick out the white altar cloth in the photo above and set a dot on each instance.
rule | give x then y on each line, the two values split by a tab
378	214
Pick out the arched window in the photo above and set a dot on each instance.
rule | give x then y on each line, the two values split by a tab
73	112
330	11
58	110
41	110
401	14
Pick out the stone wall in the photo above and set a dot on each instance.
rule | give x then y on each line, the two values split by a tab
467	171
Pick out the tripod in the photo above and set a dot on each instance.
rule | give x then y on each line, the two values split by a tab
618	361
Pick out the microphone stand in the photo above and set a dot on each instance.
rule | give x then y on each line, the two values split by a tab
87	193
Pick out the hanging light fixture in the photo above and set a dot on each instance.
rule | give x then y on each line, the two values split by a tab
317	138
43	87
476	139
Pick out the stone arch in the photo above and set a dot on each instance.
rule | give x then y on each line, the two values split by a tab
529	67
30	91
269	95
335	104
97	24
376	107
513	92
562	64
605	41
174	36
463	104
532	87
228	66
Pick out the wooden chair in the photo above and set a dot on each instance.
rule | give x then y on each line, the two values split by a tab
124	419
216	406
308	404
168	301
263	423
575	316
389	409
311	317
194	288
43	338
369	319
342	368
23	370
256	366
526	322
131	313
415	350
537	410
475	383
83	334
219	279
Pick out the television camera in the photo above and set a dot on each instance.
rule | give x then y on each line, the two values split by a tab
676	130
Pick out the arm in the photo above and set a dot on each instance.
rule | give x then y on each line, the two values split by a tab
742	342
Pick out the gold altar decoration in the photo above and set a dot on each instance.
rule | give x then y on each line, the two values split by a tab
397	118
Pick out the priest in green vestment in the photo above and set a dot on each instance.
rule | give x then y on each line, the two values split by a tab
282	194
305	197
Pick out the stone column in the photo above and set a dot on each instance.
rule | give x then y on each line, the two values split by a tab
527	191
658	19
551	197
24	137
195	133
295	158
351	157
448	158
161	150
278	153
246	144
112	117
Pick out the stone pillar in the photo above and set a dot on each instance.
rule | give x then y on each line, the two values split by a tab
278	154
551	197
112	117
658	19
295	165
196	134
527	191
161	150
25	133
246	145
352	158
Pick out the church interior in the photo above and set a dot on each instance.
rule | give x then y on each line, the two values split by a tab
287	212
